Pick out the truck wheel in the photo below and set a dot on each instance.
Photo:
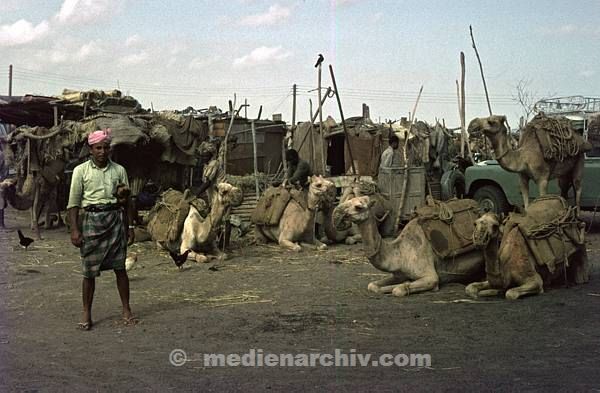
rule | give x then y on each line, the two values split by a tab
452	184
492	199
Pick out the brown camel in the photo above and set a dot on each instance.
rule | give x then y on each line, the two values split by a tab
528	159
511	268
297	223
351	235
410	257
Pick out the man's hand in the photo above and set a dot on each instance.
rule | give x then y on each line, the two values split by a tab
76	238
130	237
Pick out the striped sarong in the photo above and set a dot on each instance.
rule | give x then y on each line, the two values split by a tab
104	242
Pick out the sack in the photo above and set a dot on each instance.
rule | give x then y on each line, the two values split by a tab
551	230
449	225
165	220
270	206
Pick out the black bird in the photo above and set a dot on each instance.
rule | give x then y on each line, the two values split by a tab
23	240
179	259
319	60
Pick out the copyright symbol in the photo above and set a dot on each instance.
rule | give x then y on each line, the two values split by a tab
177	357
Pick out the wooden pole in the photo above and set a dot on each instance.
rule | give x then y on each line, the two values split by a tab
255	160
487	97
405	156
314	117
312	137
346	136
224	146
294	91
10	79
246	108
320	109
462	105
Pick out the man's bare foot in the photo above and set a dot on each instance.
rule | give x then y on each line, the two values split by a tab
128	318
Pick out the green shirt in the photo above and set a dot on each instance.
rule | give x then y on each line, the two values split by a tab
91	185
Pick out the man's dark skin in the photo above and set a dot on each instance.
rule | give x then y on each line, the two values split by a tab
99	154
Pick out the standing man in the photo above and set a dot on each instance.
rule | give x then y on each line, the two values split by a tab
298	170
391	156
102	239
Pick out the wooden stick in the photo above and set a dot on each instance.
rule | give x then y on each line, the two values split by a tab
321	120
314	117
312	136
487	97
405	155
255	160
462	104
346	136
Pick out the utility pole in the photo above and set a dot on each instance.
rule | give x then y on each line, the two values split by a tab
294	107
321	154
10	68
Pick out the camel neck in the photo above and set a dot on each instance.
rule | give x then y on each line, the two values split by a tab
507	157
312	200
216	214
490	253
328	226
371	239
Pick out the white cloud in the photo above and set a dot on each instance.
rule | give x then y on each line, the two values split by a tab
274	15
199	63
134	58
376	17
342	3
587	73
88	50
262	55
133	40
22	32
82	11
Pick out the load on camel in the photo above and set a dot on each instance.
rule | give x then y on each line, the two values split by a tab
182	223
544	246
381	209
433	248
288	216
548	149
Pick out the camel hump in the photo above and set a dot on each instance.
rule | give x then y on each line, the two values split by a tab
270	206
551	230
557	137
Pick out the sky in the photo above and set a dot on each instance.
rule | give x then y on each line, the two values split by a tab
179	53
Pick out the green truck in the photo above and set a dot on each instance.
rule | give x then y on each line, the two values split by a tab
498	190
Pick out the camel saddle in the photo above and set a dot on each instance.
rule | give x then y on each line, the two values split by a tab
166	218
449	225
272	204
557	138
551	230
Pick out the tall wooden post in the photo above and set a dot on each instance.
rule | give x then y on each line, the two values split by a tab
254	152
10	69
346	136
487	97
463	131
322	154
312	137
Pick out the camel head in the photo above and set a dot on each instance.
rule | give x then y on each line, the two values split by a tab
322	190
490	126
354	210
487	227
228	195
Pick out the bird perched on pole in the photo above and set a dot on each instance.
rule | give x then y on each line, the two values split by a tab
319	60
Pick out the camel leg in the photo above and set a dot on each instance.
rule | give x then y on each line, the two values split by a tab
533	286
543	186
577	177
423	284
286	243
200	258
474	288
386	285
317	245
524	189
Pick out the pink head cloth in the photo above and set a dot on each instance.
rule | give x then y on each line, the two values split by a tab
103	135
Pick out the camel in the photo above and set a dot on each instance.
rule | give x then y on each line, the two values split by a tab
296	226
410	257
528	159
198	233
381	209
511	268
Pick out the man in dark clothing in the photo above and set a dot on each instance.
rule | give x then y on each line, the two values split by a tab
298	170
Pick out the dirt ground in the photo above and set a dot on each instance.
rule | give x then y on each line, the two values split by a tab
280	302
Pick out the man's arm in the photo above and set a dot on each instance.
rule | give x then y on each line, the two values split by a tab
75	198
302	170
